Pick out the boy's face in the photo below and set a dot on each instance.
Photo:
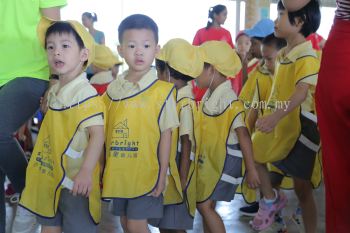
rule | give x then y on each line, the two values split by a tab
87	22
138	48
255	48
283	27
269	54
243	45
64	55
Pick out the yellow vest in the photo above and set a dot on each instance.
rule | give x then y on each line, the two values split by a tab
46	168
215	130
133	135
190	190
173	191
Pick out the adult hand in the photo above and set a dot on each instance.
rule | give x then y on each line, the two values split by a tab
294	5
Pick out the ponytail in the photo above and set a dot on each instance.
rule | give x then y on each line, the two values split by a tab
215	10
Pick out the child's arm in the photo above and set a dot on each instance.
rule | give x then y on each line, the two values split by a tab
164	154
268	123
252	116
185	159
83	180
245	143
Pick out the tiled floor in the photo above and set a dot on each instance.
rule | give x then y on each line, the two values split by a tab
232	219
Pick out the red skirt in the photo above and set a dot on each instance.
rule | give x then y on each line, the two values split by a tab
333	110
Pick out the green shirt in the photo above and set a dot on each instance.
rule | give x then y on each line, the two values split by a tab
21	53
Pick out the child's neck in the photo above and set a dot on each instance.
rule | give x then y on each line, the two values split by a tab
135	76
218	80
293	41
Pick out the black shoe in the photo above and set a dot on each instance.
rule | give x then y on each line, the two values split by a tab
250	210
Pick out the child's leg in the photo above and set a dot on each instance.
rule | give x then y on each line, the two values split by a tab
265	186
303	190
137	226
123	221
50	229
211	219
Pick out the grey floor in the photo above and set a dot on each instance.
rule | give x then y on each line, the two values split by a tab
230	214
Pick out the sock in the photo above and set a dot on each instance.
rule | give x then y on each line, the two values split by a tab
271	201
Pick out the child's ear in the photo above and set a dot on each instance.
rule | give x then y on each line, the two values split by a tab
120	51
84	54
299	22
157	49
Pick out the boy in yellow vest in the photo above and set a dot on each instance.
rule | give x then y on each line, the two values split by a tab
141	113
225	140
62	182
286	134
178	63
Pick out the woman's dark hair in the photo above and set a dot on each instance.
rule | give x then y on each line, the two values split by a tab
178	75
91	16
212	11
64	27
309	14
272	40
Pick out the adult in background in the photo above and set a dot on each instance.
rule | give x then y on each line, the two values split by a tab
213	31
88	19
24	78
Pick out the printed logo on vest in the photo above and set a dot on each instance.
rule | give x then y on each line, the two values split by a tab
121	145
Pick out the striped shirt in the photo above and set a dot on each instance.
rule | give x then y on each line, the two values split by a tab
343	9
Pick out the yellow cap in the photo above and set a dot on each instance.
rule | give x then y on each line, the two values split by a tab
85	36
104	57
182	56
220	55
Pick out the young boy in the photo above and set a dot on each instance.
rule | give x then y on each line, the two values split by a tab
141	113
177	63
62	183
226	141
104	63
287	133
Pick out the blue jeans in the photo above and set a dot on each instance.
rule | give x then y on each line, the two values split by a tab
19	100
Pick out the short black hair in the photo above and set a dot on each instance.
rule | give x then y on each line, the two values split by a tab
178	75
272	40
161	65
64	27
137	21
309	14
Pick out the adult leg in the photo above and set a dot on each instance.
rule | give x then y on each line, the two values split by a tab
19	100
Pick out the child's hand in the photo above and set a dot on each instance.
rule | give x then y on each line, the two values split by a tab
183	183
252	179
267	124
82	183
159	188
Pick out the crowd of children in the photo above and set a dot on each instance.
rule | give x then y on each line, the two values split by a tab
144	143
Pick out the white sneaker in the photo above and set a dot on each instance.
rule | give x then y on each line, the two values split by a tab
24	222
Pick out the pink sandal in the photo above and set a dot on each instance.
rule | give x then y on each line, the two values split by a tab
266	214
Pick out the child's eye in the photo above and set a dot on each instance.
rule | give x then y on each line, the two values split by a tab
147	46
65	46
49	47
131	46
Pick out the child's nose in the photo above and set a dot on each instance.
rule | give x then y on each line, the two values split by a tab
139	51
